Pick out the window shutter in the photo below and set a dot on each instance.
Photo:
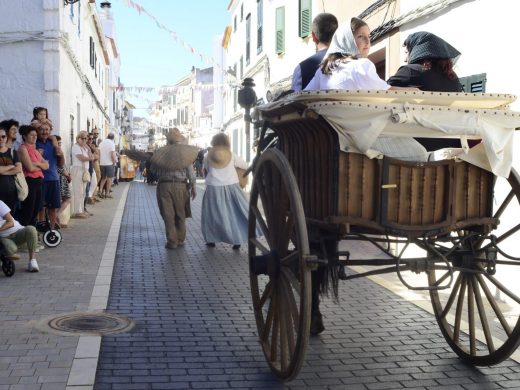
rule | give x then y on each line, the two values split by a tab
305	18
474	84
280	30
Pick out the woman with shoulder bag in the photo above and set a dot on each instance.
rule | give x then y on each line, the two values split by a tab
80	160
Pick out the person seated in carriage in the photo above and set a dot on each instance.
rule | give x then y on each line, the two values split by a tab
346	66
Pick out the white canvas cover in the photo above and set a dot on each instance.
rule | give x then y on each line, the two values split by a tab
360	117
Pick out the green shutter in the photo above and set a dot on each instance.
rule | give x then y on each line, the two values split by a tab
280	30
305	18
474	84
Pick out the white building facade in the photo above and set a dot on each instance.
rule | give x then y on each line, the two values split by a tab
55	56
266	39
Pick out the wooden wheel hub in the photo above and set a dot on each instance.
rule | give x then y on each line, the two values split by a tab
268	264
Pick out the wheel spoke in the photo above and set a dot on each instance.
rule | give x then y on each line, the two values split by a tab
452	296
471	319
482	314
458	311
266	294
507	234
268	325
284	353
442	278
494	305
504	204
286	231
295	283
290	258
293	312
275	329
259	245
501	287
261	222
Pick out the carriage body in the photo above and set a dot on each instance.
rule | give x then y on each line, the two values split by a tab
308	192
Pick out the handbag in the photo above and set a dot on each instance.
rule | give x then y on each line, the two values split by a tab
21	186
86	176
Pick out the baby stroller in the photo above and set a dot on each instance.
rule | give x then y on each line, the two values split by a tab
8	267
50	237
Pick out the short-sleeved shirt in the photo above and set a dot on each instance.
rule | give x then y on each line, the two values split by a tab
354	74
106	147
224	176
4	209
49	154
76	162
7	181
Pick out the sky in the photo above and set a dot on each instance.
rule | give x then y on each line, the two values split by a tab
150	57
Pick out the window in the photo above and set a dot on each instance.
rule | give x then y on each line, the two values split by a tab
79	18
91	52
241	67
235	24
259	22
248	39
71	13
241	11
280	30
474	84
305	18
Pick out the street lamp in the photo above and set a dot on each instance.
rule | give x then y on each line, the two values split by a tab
247	99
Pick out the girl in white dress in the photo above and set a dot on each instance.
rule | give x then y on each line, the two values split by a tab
346	66
224	205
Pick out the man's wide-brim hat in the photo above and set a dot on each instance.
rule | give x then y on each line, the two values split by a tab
219	157
175	157
174	135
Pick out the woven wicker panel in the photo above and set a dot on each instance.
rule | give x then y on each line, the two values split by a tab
358	194
416	194
311	147
473	192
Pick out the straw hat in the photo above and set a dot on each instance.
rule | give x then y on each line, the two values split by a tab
175	136
174	157
219	157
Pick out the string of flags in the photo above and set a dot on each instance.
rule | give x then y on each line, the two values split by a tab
189	48
173	89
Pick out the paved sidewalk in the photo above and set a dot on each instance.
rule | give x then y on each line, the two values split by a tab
195	327
68	281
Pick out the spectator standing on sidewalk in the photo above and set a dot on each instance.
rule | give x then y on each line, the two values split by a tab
33	165
51	180
12	235
9	167
107	162
323	27
173	197
11	128
65	179
80	157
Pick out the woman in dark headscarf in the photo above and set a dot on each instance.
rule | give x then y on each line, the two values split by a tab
430	68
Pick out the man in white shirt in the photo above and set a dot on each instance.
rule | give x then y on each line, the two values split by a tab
107	162
13	234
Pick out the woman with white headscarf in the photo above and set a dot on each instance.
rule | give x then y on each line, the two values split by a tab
346	66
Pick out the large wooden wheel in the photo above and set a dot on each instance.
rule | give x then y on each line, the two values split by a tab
279	273
479	315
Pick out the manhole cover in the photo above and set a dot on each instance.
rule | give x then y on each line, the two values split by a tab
85	323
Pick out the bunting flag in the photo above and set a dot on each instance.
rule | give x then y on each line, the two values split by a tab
186	46
173	89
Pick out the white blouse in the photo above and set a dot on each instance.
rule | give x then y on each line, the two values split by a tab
355	74
223	176
76	149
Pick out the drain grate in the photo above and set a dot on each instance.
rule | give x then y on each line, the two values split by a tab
86	323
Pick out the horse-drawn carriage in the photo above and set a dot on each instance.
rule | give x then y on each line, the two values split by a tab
462	213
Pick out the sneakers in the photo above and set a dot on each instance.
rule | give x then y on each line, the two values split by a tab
236	247
33	266
210	244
